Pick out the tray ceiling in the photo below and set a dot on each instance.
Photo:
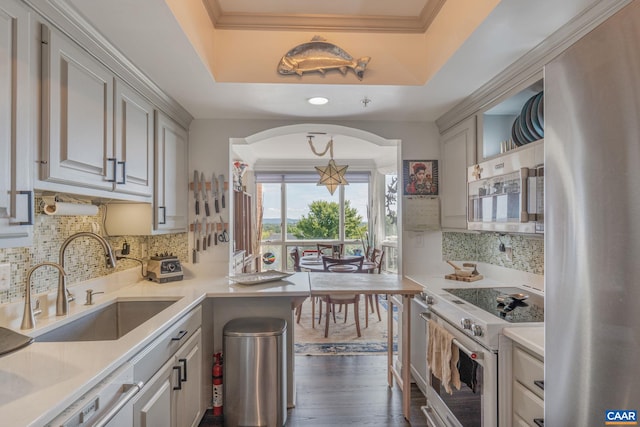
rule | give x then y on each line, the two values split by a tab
409	16
187	61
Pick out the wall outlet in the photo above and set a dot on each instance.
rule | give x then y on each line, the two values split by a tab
5	277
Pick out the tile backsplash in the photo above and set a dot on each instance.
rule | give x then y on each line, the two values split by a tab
84	257
527	251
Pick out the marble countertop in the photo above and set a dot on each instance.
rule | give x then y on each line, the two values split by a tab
42	379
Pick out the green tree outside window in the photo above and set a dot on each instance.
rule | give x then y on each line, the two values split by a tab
323	222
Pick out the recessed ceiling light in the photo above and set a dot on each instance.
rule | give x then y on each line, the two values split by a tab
317	100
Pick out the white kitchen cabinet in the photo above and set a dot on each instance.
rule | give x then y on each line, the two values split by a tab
153	408
172	398
77	115
171	180
134	141
521	386
458	151
187	395
83	103
527	386
16	85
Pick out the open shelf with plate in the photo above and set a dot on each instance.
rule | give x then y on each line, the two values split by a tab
512	122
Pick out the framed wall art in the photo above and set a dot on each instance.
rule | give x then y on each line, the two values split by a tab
420	177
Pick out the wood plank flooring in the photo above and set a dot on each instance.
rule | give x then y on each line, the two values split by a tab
346	391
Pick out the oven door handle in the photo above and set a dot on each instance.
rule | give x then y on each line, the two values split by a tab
474	355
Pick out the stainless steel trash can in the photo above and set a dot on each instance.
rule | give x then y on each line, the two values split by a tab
254	372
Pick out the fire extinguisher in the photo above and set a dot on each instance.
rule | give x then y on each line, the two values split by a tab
217	384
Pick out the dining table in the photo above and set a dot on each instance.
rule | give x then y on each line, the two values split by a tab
390	285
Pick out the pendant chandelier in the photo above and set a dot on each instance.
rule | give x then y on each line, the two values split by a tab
331	175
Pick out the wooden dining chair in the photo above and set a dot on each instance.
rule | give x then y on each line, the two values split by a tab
341	300
295	256
328	261
332	300
377	258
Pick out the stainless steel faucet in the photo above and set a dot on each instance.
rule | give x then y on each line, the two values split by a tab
28	317
62	303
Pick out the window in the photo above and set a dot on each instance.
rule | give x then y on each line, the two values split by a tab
312	212
296	210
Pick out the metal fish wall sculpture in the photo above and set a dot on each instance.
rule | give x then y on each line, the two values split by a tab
320	55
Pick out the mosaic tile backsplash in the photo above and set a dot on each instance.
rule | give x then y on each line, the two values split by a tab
84	257
528	251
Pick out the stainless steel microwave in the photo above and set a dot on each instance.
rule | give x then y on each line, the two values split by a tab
506	194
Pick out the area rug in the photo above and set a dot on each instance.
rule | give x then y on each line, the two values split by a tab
343	339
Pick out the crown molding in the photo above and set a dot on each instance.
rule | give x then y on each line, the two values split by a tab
531	64
326	22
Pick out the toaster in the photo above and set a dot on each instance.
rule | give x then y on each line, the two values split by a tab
164	268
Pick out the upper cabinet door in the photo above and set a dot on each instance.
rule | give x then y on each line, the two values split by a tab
133	141
171	181
77	114
16	196
458	146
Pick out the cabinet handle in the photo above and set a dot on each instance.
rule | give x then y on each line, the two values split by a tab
184	368
113	170
179	369
29	220
181	335
164	215
539	422
539	383
124	172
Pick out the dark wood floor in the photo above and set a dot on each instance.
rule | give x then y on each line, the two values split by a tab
346	390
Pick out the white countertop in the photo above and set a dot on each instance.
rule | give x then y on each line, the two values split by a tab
532	338
41	380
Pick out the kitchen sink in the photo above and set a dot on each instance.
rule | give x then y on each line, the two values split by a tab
108	323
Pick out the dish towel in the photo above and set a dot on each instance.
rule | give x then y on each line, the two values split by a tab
468	369
442	357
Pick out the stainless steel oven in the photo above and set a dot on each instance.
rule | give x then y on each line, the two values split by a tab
475	316
471	405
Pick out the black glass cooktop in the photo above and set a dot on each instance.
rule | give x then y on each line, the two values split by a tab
515	305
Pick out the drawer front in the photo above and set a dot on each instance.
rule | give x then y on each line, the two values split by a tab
149	360
527	369
526	405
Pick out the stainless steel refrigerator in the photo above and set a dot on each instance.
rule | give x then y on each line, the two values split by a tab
592	221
